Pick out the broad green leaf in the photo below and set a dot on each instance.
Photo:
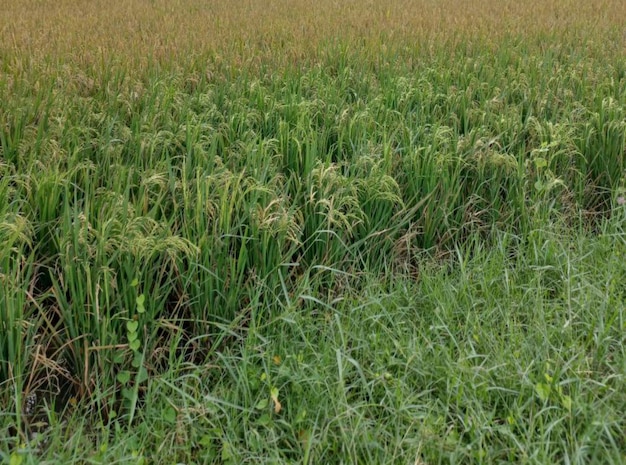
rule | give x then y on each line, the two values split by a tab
141	298
142	376
206	441
227	453
119	357
135	345
123	376
137	360
16	459
170	415
128	394
567	403
543	391
132	326
301	416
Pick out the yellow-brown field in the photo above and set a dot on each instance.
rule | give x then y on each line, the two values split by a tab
133	31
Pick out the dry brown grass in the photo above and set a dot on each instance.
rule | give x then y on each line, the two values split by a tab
85	32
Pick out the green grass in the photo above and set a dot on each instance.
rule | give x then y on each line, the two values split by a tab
410	258
499	357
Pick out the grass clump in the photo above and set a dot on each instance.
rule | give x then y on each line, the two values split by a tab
247	242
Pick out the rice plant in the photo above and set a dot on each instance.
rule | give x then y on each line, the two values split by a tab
319	232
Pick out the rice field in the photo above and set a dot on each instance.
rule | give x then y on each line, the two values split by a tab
312	232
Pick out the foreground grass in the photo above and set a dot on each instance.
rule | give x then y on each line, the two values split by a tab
333	236
497	357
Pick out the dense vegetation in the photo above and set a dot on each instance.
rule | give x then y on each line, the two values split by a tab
312	233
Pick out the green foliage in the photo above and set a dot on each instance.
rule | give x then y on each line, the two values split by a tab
353	259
